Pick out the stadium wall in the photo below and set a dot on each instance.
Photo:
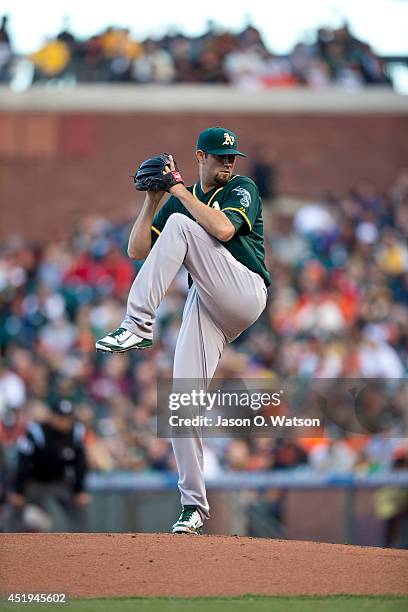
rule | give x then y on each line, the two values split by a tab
64	154
118	511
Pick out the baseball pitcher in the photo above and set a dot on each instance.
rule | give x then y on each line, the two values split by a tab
215	230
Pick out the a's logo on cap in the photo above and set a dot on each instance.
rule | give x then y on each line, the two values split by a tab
228	139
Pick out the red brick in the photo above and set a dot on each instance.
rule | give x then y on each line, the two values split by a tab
85	166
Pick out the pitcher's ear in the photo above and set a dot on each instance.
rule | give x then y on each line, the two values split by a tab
200	155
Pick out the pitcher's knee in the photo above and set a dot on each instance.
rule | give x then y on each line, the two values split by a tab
180	220
186	228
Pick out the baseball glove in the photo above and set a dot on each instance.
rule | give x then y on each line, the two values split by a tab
152	175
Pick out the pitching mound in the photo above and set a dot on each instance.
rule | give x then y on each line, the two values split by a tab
102	565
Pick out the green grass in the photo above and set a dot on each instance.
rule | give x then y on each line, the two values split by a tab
247	603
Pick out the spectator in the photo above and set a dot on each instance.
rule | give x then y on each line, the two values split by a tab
154	65
391	506
377	358
51	60
243	67
334	456
12	390
121	50
6	55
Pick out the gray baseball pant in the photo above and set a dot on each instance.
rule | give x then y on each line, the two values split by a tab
225	299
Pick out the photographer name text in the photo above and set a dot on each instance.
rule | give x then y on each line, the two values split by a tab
255	421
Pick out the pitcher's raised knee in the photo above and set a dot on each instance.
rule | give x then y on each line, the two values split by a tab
180	220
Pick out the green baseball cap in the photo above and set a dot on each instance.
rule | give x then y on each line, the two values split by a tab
218	141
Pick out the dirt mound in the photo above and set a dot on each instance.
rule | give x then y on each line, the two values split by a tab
101	565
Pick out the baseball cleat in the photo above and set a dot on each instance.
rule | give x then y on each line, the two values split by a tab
121	340
189	521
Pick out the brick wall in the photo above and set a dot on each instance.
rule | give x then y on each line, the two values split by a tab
56	167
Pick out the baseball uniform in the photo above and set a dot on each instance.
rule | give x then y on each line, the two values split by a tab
228	290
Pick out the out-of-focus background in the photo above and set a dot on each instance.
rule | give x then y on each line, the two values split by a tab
317	99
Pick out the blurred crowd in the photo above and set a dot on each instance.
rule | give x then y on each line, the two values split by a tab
336	56
337	308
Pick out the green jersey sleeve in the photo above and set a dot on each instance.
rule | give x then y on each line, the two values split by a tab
160	218
241	204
